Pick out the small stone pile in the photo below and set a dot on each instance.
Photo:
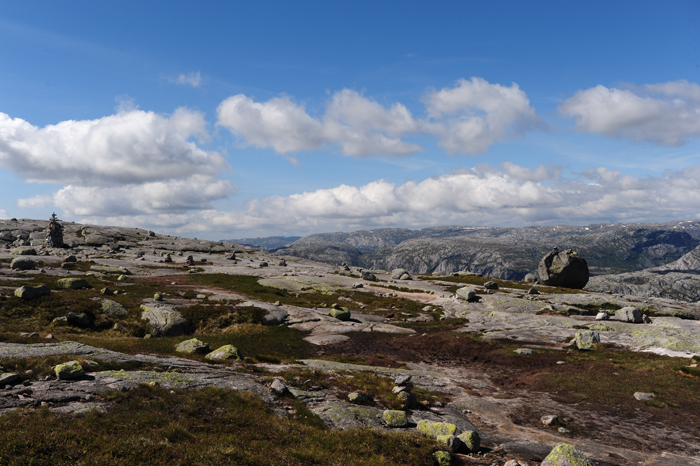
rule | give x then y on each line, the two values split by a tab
403	389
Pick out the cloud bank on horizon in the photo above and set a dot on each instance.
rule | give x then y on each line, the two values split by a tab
139	167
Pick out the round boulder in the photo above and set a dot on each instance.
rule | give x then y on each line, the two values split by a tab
566	269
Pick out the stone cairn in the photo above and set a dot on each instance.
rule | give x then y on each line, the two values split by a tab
56	232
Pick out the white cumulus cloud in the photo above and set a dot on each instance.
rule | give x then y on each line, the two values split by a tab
474	114
129	147
465	119
665	113
131	163
509	195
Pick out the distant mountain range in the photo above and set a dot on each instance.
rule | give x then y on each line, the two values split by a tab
507	253
268	242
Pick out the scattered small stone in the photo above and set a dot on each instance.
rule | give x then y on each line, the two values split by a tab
514	463
49	337
279	387
533	291
357	285
402	379
549	420
356	397
562	430
524	351
491	285
158	297
106	291
602	316
641	396
201	296
561	362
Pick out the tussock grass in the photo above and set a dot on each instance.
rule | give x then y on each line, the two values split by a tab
150	425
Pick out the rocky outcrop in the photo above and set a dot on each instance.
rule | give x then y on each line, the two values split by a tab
671	285
567	269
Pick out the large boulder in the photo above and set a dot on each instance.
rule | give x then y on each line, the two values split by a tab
566	269
32	292
22	263
164	322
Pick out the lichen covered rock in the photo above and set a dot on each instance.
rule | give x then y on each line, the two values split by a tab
585	339
72	283
566	455
442	458
452	442
395	418
342	313
225	352
433	429
471	440
113	309
32	292
192	346
69	370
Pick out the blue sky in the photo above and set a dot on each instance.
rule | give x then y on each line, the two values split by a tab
233	119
